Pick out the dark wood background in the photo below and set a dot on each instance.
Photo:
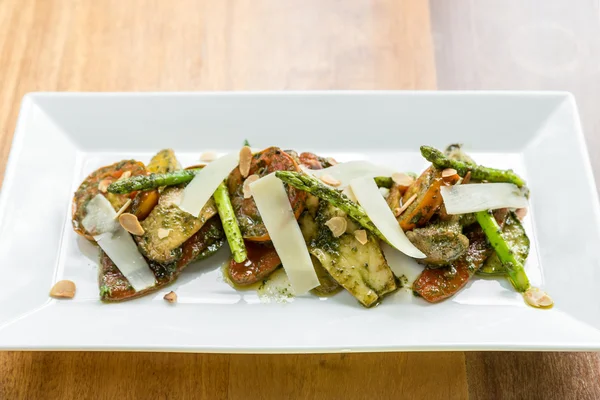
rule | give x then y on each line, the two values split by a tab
111	45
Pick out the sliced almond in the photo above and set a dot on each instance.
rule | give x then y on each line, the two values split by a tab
399	211
448	172
521	213
536	297
245	160
171	297
247	182
103	185
130	223
163	233
208	156
467	178
63	290
361	236
337	226
330	180
125	175
124	208
401	179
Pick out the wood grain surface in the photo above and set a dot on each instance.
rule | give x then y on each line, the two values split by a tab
144	45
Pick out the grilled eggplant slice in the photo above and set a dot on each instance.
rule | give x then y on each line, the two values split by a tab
360	269
167	216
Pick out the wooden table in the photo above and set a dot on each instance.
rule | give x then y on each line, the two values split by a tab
111	45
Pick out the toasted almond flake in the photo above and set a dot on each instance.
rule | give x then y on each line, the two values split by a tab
63	290
536	297
208	156
246	187
521	213
103	185
245	160
332	161
361	236
130	223
171	297
401	179
467	178
124	208
448	172
330	180
337	226
163	233
125	175
400	210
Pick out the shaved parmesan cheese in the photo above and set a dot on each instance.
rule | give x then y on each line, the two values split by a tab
349	194
100	216
204	184
367	193
345	172
402	265
117	243
276	212
463	199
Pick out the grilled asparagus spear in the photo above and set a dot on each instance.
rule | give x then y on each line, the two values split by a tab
313	186
514	267
230	224
478	172
152	181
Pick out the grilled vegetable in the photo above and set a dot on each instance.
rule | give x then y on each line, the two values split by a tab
205	242
384	181
442	242
478	172
428	198
360	269
152	181
163	162
97	182
246	212
335	198
328	285
514	234
261	261
168	227
435	285
230	225
506	254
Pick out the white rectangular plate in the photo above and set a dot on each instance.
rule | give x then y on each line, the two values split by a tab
60	138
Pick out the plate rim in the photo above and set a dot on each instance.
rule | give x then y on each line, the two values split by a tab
17	147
